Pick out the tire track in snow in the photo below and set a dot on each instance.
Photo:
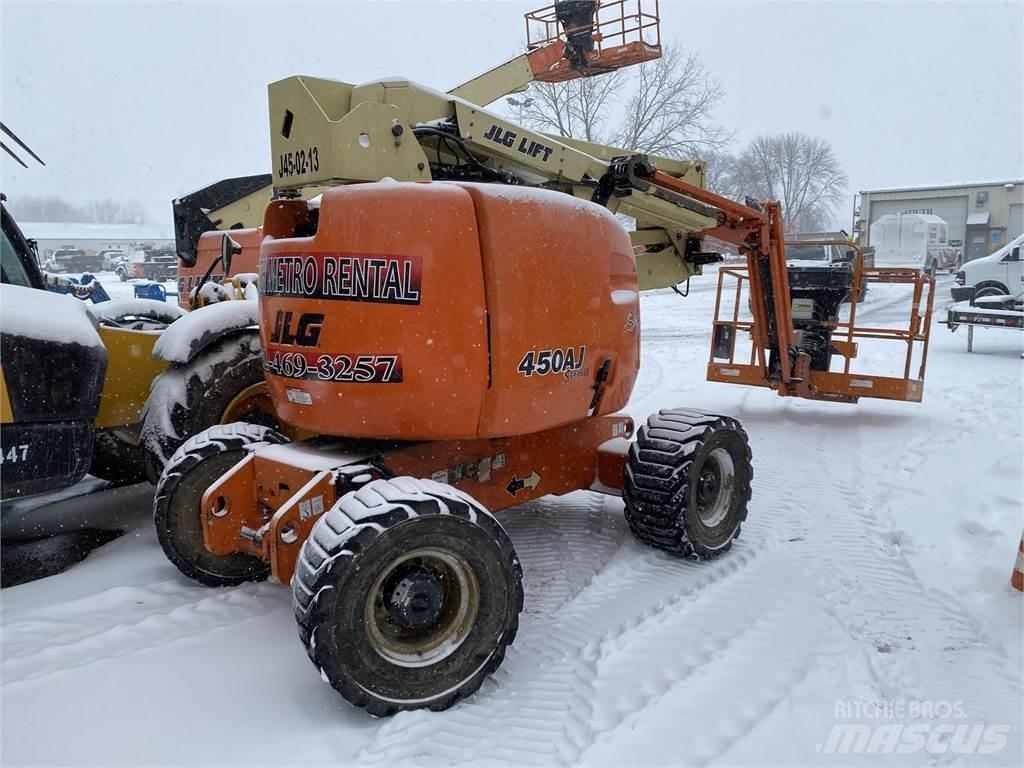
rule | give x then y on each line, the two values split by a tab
562	543
915	638
759	628
126	620
545	693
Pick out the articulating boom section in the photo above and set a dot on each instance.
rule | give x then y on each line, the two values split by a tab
325	132
796	327
572	39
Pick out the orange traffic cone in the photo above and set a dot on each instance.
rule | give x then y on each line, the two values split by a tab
1017	580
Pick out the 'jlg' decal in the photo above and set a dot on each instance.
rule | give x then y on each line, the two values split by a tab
527	146
547	361
305	332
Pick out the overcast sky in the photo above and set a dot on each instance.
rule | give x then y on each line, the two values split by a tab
151	100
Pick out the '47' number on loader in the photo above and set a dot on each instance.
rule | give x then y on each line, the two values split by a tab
547	361
14	454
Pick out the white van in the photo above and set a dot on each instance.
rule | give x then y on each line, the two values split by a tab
998	273
914	240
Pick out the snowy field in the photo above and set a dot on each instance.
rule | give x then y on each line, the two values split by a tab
869	586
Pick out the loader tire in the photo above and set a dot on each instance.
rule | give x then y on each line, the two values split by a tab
201	460
688	483
117	460
188	398
406	594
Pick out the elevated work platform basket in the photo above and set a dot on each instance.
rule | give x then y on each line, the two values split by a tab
597	37
903	335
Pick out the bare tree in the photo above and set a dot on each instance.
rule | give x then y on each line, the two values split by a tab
577	108
104	211
133	212
53	208
723	175
798	170
44	208
666	106
670	110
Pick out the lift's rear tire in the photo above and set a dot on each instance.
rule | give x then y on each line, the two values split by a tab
201	460
407	593
688	482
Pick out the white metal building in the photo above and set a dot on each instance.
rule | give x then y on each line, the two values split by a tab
982	216
96	237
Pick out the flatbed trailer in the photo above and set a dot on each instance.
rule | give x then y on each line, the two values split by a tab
986	313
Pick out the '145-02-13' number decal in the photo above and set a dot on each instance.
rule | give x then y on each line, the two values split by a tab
545	361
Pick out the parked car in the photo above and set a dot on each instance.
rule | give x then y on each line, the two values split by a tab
111	258
159	264
75	260
999	273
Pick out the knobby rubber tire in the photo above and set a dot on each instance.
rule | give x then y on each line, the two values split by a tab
197	463
661	474
354	543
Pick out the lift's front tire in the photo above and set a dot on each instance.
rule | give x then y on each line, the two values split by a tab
407	593
194	467
688	482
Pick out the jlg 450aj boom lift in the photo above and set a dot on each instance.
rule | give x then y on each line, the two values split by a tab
459	348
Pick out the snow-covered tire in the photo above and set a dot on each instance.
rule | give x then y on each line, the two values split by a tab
406	594
117	460
688	482
201	460
187	398
124	312
989	289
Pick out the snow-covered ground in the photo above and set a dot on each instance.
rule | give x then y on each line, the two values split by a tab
870	586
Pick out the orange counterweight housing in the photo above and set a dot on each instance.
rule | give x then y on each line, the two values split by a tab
208	249
432	311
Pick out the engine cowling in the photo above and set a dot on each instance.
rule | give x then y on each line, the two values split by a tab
428	311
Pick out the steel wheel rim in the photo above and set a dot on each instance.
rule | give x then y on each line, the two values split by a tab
253	399
441	637
716	483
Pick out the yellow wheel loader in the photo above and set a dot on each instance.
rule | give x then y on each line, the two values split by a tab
74	381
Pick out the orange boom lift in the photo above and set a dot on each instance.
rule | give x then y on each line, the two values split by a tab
457	348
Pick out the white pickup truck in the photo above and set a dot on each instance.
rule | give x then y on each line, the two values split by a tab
999	273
